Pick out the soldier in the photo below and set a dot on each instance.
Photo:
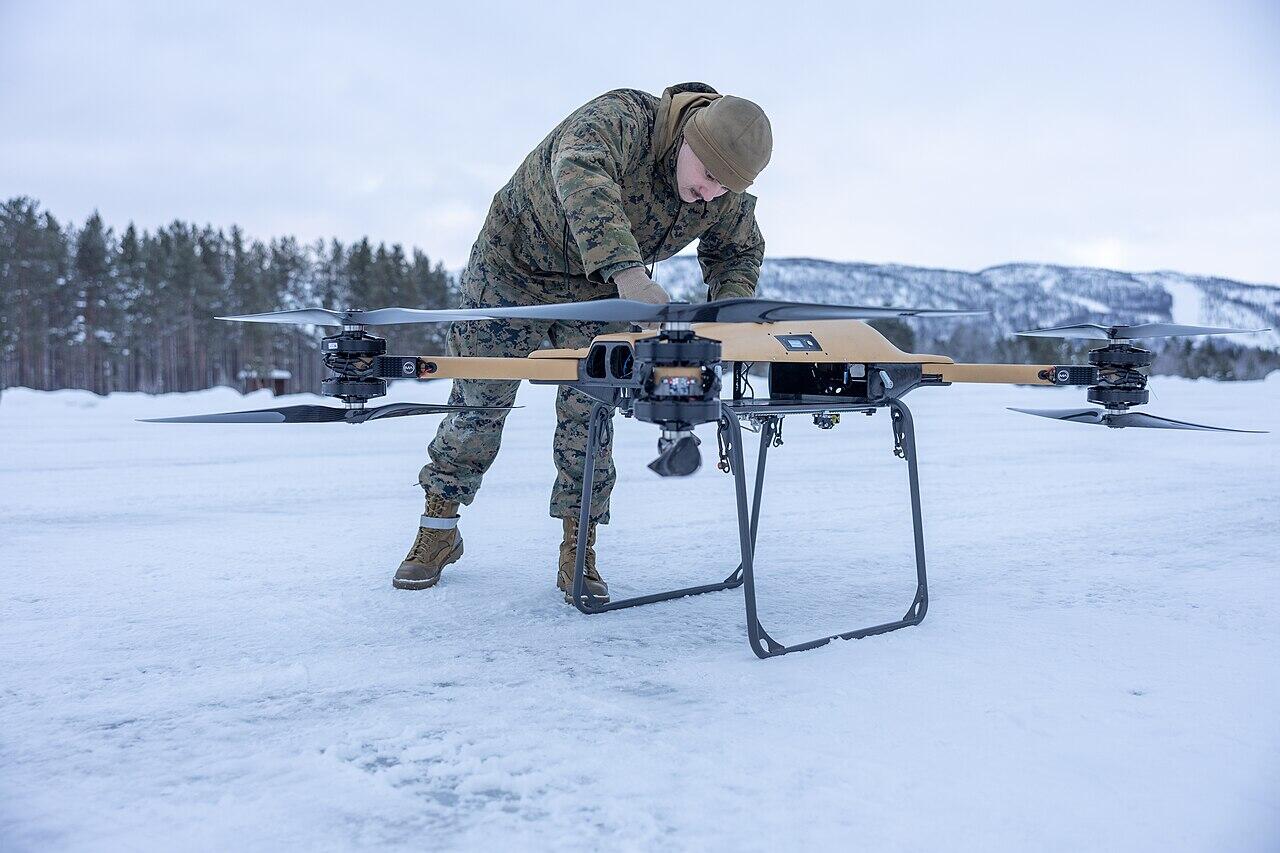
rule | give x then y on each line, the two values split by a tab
625	181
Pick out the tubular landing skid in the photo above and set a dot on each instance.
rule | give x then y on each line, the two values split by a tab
761	642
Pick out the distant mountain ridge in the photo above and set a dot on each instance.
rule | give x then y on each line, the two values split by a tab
1019	296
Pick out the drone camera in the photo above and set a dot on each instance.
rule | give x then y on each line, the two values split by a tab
678	455
828	420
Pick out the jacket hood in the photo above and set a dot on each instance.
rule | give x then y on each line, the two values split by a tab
675	108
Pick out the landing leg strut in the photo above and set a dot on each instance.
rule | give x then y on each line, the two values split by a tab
743	576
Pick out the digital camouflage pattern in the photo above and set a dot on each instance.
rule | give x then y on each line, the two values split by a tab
597	196
467	442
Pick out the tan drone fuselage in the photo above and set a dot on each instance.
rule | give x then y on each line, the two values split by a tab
839	341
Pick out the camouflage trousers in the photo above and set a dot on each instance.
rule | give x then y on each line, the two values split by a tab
467	442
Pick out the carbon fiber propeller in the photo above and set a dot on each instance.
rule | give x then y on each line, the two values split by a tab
1098	332
606	311
1116	420
322	414
329	317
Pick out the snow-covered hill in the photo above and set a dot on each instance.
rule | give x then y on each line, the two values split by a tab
1019	296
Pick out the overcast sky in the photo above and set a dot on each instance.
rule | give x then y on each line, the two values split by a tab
962	135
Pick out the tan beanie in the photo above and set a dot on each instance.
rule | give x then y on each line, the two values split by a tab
733	139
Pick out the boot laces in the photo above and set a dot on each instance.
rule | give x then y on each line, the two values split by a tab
422	544
570	547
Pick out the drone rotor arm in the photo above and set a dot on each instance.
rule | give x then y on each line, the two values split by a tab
995	374
533	369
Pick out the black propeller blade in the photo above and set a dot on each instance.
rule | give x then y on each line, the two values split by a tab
329	317
774	311
1094	331
322	414
606	311
1102	417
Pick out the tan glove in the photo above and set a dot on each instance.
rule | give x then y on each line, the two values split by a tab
633	283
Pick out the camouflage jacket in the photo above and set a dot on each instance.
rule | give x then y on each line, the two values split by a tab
598	195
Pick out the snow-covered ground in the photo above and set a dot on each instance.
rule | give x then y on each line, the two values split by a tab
202	650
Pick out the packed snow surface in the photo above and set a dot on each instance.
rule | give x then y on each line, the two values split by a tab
202	649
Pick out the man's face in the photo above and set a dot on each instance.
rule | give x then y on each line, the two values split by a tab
693	180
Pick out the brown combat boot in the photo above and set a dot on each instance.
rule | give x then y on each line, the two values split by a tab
438	544
593	583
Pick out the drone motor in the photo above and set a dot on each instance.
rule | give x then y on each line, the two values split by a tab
352	356
1120	382
681	383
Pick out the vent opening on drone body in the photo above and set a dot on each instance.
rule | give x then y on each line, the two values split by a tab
596	363
621	361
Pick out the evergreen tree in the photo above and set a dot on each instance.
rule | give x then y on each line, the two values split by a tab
79	308
360	275
36	309
332	283
430	287
95	324
134	311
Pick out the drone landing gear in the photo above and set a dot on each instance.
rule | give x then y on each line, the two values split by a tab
904	446
585	601
761	642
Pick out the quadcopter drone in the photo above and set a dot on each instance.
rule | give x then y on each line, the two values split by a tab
822	360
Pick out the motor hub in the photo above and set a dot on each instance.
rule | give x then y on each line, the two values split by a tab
353	355
1121	382
681	382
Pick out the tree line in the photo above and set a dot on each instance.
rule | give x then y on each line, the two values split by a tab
85	307
968	341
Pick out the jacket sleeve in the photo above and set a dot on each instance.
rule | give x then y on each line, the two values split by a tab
587	165
731	252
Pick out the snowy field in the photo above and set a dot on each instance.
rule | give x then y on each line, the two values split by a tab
202	649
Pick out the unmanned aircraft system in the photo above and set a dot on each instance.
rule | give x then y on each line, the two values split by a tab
823	361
